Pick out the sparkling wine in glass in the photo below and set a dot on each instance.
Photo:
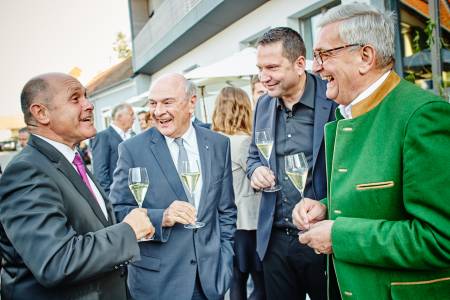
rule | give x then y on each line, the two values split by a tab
190	174
138	183
264	142
296	168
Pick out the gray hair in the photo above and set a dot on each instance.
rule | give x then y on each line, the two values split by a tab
118	109
364	24
190	89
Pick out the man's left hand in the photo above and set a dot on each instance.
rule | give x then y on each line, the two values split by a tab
318	237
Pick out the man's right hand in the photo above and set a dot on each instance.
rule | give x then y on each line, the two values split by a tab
140	223
179	212
262	178
308	212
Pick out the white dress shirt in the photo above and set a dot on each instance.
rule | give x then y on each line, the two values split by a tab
191	146
69	154
124	135
346	111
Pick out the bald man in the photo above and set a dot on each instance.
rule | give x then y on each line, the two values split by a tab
58	237
179	263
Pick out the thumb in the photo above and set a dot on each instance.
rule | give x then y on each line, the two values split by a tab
304	238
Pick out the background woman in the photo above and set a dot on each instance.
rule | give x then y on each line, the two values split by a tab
232	117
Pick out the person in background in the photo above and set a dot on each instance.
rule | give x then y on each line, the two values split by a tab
179	263
23	137
104	145
388	165
58	236
258	89
232	117
145	120
294	111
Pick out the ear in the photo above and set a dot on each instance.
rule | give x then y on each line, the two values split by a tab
193	101
300	65
40	113
368	59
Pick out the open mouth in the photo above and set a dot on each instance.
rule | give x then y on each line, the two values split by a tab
329	78
89	119
164	123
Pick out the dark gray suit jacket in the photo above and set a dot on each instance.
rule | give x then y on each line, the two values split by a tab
169	264
55	241
104	156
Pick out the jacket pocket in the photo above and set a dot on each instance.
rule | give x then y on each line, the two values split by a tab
374	185
148	263
429	289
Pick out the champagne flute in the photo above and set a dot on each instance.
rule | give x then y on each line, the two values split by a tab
138	183
190	174
296	168
264	142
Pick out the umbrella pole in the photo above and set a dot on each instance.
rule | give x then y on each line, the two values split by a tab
202	92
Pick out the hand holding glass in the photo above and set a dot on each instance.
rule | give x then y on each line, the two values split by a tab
264	142
296	168
190	173
138	183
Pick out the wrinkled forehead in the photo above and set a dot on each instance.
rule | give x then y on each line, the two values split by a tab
328	37
167	89
66	85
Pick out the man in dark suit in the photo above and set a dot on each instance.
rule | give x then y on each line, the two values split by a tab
58	235
179	263
105	143
295	109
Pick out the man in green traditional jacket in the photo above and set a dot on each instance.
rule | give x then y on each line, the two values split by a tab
388	168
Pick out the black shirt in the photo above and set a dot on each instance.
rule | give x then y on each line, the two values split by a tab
293	134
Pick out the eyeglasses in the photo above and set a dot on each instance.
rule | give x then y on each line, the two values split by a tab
321	55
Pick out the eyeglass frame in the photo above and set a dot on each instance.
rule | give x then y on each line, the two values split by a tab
318	54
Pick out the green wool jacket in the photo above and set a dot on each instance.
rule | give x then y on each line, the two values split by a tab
388	172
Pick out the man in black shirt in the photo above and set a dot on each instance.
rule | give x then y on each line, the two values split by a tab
295	110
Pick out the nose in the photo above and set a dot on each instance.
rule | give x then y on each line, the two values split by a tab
316	67
88	105
158	109
263	77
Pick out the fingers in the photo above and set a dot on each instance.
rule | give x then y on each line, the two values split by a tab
180	212
262	177
300	215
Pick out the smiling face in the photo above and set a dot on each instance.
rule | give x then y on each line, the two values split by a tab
279	76
68	116
340	68
169	107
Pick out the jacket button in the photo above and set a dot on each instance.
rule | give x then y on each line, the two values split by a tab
193	261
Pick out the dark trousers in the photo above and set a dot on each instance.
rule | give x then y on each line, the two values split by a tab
198	290
238	289
292	269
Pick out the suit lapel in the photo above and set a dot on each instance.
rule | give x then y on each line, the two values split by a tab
111	217
115	135
321	116
164	159
67	170
204	151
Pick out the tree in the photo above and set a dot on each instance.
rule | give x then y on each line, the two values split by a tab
121	46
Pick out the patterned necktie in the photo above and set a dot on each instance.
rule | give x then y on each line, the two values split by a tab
78	162
182	156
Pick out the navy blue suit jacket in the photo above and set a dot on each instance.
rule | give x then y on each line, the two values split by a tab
265	117
169	264
104	155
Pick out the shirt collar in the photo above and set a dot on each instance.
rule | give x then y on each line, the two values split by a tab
346	110
65	150
188	137
307	97
119	131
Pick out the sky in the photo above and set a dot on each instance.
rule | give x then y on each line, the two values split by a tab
40	36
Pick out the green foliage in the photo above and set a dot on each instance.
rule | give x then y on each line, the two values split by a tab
121	46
